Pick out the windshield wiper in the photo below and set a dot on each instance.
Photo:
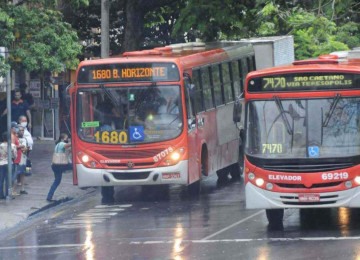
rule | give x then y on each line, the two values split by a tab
282	112
331	111
108	94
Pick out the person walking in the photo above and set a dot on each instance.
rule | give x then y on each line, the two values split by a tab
4	185
21	166
61	145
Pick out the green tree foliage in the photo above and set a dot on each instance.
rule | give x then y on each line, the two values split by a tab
314	33
37	38
7	38
213	19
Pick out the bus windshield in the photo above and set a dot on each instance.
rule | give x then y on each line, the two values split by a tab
129	115
303	128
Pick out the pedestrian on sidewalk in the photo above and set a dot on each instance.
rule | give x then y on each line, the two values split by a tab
16	161
30	142
4	184
21	167
62	145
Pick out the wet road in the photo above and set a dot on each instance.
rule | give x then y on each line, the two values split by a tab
169	225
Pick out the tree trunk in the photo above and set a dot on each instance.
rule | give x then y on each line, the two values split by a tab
134	26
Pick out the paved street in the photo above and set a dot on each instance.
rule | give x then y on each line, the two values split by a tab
146	224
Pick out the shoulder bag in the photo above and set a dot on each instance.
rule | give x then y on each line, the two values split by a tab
59	158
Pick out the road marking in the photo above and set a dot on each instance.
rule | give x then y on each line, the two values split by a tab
114	206
201	241
93	216
233	225
97	214
244	240
41	246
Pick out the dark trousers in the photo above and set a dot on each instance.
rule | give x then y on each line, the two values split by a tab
58	171
4	184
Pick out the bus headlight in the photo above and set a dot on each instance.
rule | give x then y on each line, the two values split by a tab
85	158
357	180
174	157
259	182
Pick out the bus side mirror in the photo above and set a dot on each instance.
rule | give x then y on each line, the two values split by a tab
237	111
191	123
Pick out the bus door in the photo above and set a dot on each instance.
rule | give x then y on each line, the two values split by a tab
192	132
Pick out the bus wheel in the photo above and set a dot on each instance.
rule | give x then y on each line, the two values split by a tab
275	217
107	193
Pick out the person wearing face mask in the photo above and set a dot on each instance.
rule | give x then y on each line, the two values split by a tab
27	135
62	144
21	166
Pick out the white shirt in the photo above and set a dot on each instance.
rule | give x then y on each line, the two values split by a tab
28	138
4	153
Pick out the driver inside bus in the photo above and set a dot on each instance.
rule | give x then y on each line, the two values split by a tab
108	114
169	104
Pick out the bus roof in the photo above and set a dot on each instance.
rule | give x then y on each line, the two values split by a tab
188	54
324	63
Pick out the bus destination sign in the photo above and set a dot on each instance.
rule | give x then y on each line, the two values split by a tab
128	72
304	81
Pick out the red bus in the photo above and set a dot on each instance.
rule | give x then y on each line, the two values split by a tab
160	116
302	126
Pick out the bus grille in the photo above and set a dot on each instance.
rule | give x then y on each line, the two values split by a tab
296	167
302	186
129	154
130	175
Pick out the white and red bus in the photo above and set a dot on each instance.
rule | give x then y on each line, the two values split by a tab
160	116
302	126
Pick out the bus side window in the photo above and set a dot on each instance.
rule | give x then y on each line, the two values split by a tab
218	95
236	77
206	88
250	63
226	83
198	94
243	72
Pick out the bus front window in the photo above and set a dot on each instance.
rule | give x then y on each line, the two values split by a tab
307	128
129	115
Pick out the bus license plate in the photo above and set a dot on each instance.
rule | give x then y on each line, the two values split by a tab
171	175
309	197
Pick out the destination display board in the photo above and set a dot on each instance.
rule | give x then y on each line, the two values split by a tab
127	72
304	81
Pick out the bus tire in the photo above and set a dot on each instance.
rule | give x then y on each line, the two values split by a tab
194	188
275	217
107	193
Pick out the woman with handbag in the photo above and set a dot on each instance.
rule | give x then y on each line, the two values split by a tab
60	163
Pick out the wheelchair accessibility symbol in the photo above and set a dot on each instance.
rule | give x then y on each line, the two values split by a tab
313	151
136	133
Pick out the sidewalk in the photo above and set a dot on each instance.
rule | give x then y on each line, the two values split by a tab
16	210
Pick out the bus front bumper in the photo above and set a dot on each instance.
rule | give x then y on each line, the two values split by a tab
264	199
176	174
